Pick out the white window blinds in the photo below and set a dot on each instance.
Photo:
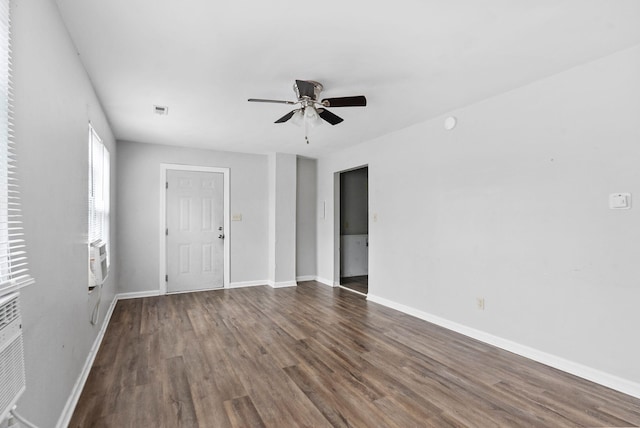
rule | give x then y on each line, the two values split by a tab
13	258
98	190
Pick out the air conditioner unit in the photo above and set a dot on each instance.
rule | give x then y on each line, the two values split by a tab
12	374
98	262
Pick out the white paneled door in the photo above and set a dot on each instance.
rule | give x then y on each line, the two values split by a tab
195	234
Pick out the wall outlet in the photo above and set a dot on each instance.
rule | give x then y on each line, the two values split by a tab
236	217
480	303
620	201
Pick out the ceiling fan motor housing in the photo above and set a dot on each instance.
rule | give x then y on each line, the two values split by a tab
307	88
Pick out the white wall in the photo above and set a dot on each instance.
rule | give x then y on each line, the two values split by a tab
512	206
306	218
54	101
139	211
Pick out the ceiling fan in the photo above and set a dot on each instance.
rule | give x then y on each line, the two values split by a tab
311	111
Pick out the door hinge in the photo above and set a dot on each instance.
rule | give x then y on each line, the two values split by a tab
166	232
166	278
166	185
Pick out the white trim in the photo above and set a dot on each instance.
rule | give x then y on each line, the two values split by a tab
137	294
336	229
72	401
306	278
325	281
164	167
282	284
580	370
337	258
169	293
243	284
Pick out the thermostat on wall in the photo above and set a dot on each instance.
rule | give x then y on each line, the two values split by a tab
620	201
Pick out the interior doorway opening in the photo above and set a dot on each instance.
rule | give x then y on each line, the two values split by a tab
354	230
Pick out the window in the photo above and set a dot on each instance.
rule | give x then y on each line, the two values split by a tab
13	259
98	195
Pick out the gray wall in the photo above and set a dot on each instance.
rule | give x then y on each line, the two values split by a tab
54	101
282	219
512	206
306	219
139	211
354	202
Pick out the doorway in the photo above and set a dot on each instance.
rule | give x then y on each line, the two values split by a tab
354	230
195	238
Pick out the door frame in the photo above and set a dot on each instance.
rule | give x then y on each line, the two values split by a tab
164	167
336	222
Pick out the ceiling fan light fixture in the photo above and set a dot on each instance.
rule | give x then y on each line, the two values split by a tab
311	116
298	118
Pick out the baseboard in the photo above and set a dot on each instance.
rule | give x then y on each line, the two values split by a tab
282	284
306	278
247	284
71	403
325	281
202	290
137	294
580	370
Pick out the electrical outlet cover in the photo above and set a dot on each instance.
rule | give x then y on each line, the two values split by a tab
620	201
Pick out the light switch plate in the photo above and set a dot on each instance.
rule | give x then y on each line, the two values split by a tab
620	201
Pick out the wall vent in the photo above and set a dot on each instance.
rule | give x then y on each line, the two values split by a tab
161	110
12	373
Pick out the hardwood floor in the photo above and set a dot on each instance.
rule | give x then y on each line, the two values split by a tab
316	356
357	283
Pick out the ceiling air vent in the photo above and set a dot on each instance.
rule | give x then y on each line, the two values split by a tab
161	110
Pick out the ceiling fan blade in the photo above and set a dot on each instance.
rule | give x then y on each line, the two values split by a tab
356	101
260	100
286	117
306	89
329	117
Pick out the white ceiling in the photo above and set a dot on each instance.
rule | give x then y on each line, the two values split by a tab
413	59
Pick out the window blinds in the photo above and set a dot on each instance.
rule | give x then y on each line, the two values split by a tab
98	190
13	259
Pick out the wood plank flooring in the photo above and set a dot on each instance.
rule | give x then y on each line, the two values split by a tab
315	356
